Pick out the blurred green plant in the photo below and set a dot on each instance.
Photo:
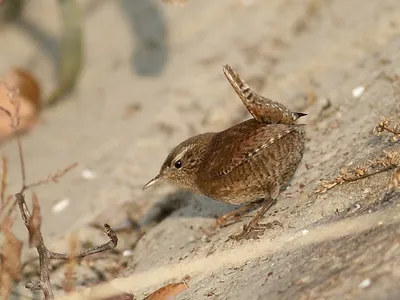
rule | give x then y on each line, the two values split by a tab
71	44
10	10
71	58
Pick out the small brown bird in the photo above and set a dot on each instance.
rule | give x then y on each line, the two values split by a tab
245	163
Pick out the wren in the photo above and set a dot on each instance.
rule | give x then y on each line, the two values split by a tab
246	163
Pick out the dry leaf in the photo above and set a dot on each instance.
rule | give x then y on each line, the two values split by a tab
10	268
168	291
35	222
26	83
20	87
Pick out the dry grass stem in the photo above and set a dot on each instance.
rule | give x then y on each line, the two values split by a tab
52	178
381	162
4	169
388	125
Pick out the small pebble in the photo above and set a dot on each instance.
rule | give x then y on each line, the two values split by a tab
365	283
60	206
127	252
88	174
304	232
358	91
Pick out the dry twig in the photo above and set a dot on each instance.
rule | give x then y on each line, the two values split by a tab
3	180
32	221
51	178
386	124
382	162
45	255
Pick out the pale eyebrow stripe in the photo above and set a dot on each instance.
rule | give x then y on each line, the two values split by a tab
181	153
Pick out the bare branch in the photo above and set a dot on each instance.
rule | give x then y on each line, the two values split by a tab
22	164
45	255
25	214
112	243
33	221
51	178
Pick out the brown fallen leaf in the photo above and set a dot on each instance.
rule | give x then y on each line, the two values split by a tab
168	291
26	83
35	222
10	258
20	87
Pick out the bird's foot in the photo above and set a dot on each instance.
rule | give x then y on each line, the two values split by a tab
254	230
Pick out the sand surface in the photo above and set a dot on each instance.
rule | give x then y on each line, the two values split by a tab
166	61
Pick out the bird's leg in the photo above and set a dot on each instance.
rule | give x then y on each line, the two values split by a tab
254	229
235	216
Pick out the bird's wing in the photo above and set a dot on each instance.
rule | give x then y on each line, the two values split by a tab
238	144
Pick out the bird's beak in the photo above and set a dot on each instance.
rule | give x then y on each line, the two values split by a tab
153	181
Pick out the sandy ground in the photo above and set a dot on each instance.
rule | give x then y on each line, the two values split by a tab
167	61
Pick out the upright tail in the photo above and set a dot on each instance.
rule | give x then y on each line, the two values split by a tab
264	110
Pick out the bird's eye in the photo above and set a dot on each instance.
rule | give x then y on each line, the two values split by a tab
178	164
